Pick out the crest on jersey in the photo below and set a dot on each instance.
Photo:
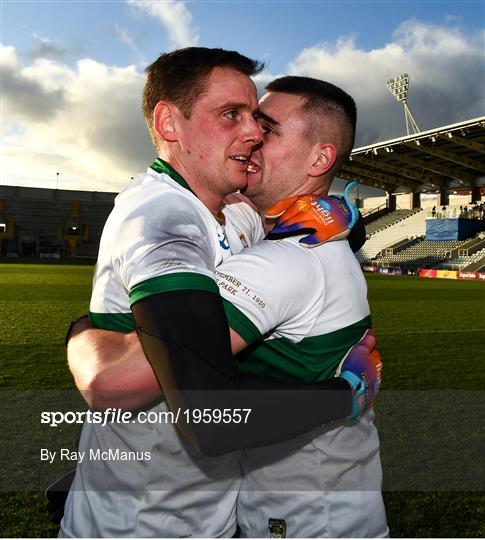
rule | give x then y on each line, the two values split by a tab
244	240
223	240
277	528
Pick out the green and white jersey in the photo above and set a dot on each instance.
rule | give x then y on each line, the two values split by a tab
244	226
310	305
160	237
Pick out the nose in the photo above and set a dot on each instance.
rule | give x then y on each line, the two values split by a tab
252	133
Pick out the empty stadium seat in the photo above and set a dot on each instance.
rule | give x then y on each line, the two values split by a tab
411	226
388	220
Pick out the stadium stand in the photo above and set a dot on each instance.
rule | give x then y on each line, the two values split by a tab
465	263
441	159
405	244
51	223
389	219
410	227
478	263
425	253
400	246
468	257
56	223
371	214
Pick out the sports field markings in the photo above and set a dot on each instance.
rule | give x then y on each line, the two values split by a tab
414	332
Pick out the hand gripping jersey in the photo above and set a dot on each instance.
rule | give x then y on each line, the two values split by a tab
311	306
144	479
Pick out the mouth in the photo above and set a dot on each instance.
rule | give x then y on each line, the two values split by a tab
247	163
253	167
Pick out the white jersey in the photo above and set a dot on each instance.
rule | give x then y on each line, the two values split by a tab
243	223
144	479
177	492
160	237
311	305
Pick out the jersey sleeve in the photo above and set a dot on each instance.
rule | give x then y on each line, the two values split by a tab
271	287
164	245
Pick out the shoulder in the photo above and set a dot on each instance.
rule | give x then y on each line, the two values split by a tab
282	263
274	284
152	215
155	200
335	253
237	201
244	217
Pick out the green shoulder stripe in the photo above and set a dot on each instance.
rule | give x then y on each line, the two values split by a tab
119	322
314	358
240	323
178	281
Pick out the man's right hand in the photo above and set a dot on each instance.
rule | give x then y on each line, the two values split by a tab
322	219
361	368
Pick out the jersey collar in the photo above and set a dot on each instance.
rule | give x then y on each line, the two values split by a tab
163	167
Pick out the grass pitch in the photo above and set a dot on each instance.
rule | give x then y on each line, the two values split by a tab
431	337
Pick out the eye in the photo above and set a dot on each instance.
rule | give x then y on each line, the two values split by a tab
266	128
232	114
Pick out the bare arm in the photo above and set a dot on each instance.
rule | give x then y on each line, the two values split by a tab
189	361
110	369
185	336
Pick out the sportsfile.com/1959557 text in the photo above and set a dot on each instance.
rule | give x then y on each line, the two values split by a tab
190	416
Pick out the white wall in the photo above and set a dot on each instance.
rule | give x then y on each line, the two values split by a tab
428	200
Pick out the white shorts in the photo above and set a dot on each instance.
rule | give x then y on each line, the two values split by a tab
328	486
176	493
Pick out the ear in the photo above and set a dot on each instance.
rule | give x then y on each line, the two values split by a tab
324	158
164	121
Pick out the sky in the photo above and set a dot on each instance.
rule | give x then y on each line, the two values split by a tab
72	72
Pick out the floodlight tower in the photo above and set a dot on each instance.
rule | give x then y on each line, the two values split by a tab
398	86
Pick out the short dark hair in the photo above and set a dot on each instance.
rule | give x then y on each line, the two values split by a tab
322	98
180	76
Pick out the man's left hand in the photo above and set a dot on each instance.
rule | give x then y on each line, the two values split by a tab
361	368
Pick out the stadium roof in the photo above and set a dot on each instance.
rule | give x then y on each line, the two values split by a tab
448	157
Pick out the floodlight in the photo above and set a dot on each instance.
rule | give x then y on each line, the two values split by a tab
398	86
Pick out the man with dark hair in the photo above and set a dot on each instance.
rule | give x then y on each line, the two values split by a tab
181	76
323	98
312	308
158	253
317	99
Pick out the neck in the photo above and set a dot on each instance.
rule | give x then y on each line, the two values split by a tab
212	200
206	194
310	187
313	186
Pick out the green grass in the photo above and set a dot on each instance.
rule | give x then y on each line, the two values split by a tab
430	413
431	335
37	303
